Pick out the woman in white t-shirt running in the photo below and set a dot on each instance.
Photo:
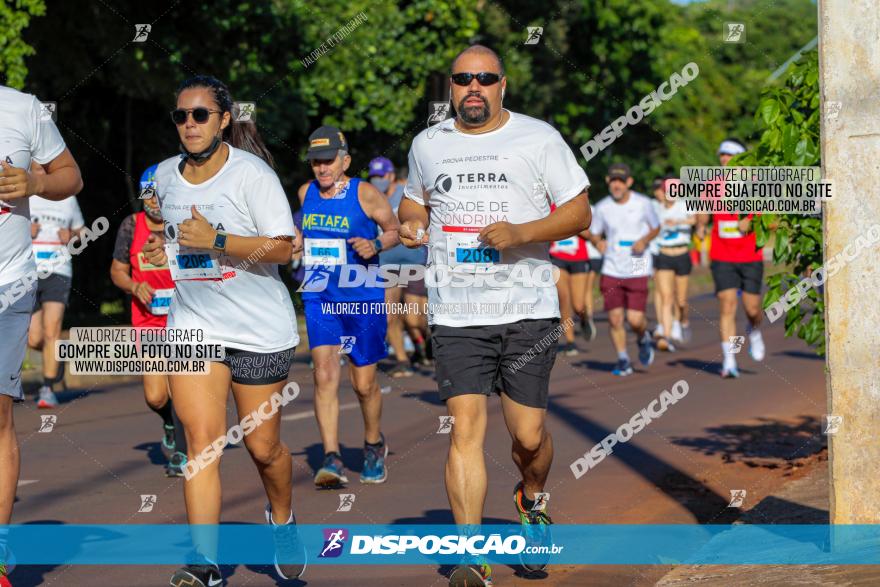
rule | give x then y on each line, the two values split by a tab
672	267
228	225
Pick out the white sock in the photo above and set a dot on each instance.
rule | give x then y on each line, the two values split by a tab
623	356
729	359
756	344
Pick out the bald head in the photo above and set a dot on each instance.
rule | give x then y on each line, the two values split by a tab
482	51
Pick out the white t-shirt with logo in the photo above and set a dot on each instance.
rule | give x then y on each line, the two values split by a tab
473	180
24	136
623	224
53	216
249	308
678	233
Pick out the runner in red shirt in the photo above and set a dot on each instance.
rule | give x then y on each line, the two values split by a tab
737	265
570	257
151	289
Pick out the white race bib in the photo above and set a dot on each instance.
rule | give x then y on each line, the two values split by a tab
729	229
324	251
467	254
567	246
186	263
161	302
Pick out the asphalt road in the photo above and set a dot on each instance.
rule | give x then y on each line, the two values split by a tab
747	434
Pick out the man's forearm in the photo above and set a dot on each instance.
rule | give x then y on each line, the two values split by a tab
411	211
567	220
60	184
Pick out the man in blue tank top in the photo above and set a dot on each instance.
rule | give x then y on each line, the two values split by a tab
344	302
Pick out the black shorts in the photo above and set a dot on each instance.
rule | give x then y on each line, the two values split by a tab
744	276
250	368
52	288
681	264
596	265
514	358
570	266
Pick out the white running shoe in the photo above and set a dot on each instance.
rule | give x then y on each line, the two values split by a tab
676	334
756	345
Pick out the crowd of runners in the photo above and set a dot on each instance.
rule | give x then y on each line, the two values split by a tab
487	201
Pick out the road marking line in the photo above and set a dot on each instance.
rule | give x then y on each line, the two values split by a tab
311	413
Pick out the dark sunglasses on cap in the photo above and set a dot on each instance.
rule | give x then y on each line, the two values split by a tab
200	115
484	78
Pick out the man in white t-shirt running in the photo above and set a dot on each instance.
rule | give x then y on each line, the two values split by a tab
25	135
479	194
53	225
628	222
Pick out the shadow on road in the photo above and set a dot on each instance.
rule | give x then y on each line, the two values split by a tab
769	443
154	452
703	503
800	355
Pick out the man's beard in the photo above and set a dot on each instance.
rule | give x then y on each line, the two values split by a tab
474	114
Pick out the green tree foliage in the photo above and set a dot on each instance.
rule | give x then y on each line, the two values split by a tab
789	117
595	59
14	18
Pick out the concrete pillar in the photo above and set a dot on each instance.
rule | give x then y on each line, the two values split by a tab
849	65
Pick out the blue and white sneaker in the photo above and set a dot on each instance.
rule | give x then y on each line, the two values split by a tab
646	350
374	463
290	552
332	473
623	368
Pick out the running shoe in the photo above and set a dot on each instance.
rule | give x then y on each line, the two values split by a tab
197	576
168	437
756	345
623	368
46	398
729	373
686	333
536	524
568	349
401	369
175	465
646	350
589	329
676	333
471	576
7	563
332	473
374	463
664	344
420	356
288	547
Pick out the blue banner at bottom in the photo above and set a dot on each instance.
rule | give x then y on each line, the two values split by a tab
442	544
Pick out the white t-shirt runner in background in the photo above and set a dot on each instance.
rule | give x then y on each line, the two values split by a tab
53	216
623	224
243	305
473	180
679	233
24	136
592	252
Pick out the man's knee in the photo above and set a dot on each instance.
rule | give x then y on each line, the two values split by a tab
615	318
528	439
